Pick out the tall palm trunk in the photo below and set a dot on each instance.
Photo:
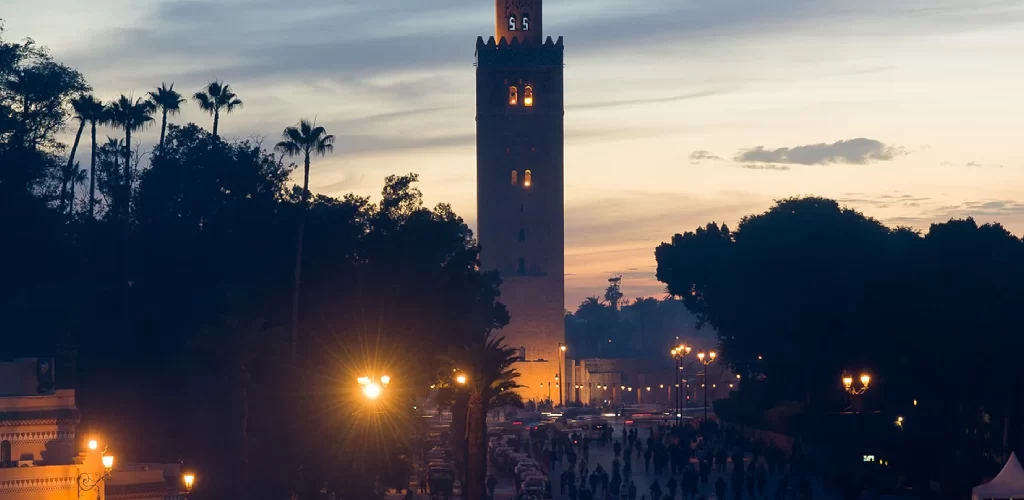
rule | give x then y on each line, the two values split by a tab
127	189
297	285
216	122
92	175
163	129
476	462
67	170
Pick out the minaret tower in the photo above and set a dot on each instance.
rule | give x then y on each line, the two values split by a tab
519	144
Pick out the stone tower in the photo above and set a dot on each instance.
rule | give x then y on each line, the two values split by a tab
519	146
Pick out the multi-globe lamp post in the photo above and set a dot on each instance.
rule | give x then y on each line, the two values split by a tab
706	359
678	353
851	389
372	390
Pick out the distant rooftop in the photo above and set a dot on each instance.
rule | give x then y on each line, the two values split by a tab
27	377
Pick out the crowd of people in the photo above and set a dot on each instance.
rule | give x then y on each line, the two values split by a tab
680	462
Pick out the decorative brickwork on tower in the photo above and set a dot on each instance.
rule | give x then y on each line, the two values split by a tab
520	184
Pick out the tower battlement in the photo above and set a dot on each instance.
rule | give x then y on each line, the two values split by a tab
516	53
490	43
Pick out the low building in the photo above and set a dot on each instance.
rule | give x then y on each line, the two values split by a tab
41	458
146	481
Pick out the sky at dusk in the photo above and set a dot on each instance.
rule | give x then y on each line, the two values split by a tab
678	112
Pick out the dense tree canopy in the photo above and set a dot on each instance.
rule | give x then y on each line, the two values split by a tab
808	290
643	327
171	315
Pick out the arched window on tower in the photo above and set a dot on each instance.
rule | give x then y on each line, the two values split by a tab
522	266
5	453
528	179
526	22
513	95
522	236
511	23
515	177
528	96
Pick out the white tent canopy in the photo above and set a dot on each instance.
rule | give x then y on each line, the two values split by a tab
1009	483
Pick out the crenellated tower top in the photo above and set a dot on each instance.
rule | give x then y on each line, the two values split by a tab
520	20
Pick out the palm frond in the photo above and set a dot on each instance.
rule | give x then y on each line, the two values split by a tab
289	148
204	101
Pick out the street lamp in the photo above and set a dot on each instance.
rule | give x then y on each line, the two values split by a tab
372	390
865	382
678	353
86	481
706	359
190	480
461	379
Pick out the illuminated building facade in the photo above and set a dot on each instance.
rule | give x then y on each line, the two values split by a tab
520	197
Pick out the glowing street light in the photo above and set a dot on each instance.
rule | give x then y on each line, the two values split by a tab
706	359
385	380
372	391
461	379
899	421
678	353
87	481
865	383
190	480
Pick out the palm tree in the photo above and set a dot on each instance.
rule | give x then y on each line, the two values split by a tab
131	115
92	111
168	102
306	139
80	105
78	178
214	97
490	383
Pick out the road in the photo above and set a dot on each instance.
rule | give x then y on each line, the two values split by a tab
604	455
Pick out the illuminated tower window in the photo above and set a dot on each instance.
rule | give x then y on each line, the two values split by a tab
528	179
511	23
526	22
513	95
515	177
528	96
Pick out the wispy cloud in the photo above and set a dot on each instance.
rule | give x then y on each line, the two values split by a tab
645	100
699	156
852	151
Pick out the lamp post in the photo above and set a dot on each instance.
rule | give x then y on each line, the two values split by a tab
706	359
86	481
371	389
865	383
189	480
678	353
561	353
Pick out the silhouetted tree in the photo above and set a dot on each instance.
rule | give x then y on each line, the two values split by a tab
131	116
306	139
215	97
91	110
490	382
81	106
168	102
